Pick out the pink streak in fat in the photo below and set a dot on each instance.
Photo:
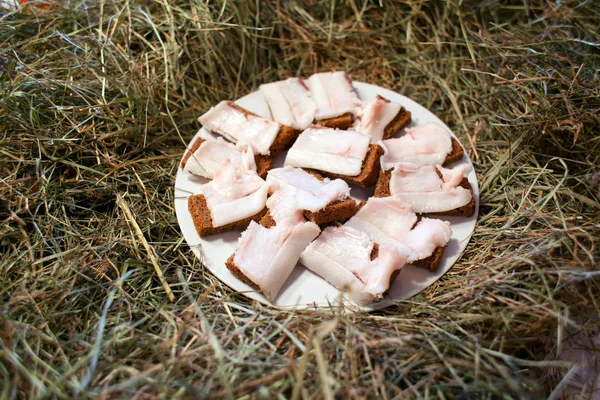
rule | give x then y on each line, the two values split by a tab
290	103
230	122
374	116
212	153
424	145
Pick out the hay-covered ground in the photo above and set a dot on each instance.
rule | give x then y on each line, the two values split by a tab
97	102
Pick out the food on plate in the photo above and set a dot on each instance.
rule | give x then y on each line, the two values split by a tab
429	189
337	102
321	199
246	129
290	103
268	252
336	153
429	144
230	201
349	260
389	221
303	212
380	119
205	156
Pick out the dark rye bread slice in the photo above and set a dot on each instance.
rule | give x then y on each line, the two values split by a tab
203	220
432	263
337	211
382	189
263	164
230	264
267	221
369	172
400	121
456	153
285	137
343	121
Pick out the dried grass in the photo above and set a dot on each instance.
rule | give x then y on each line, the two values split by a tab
97	101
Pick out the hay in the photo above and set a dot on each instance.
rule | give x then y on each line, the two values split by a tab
97	102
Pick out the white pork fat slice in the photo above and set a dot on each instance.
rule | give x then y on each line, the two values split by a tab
385	219
268	256
205	161
290	102
374	116
389	221
234	194
312	194
329	150
424	145
428	235
425	191
342	256
230	121
333	93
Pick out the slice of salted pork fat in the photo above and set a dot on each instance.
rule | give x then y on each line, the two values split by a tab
312	194
267	256
425	191
374	116
205	161
329	150
344	257
290	102
234	194
333	94
389	221
429	144
241	127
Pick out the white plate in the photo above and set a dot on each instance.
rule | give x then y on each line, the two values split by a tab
303	288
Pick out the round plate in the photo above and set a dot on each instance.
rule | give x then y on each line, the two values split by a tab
304	289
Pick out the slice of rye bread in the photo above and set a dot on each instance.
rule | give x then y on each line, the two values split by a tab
203	220
382	189
369	172
263	163
336	211
432	263
267	221
400	121
456	153
284	139
343	121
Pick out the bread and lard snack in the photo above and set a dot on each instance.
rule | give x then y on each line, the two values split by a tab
429	144
246	129
344	154
230	201
390	221
268	252
429	189
337	102
345	257
205	156
322	200
290	103
380	119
